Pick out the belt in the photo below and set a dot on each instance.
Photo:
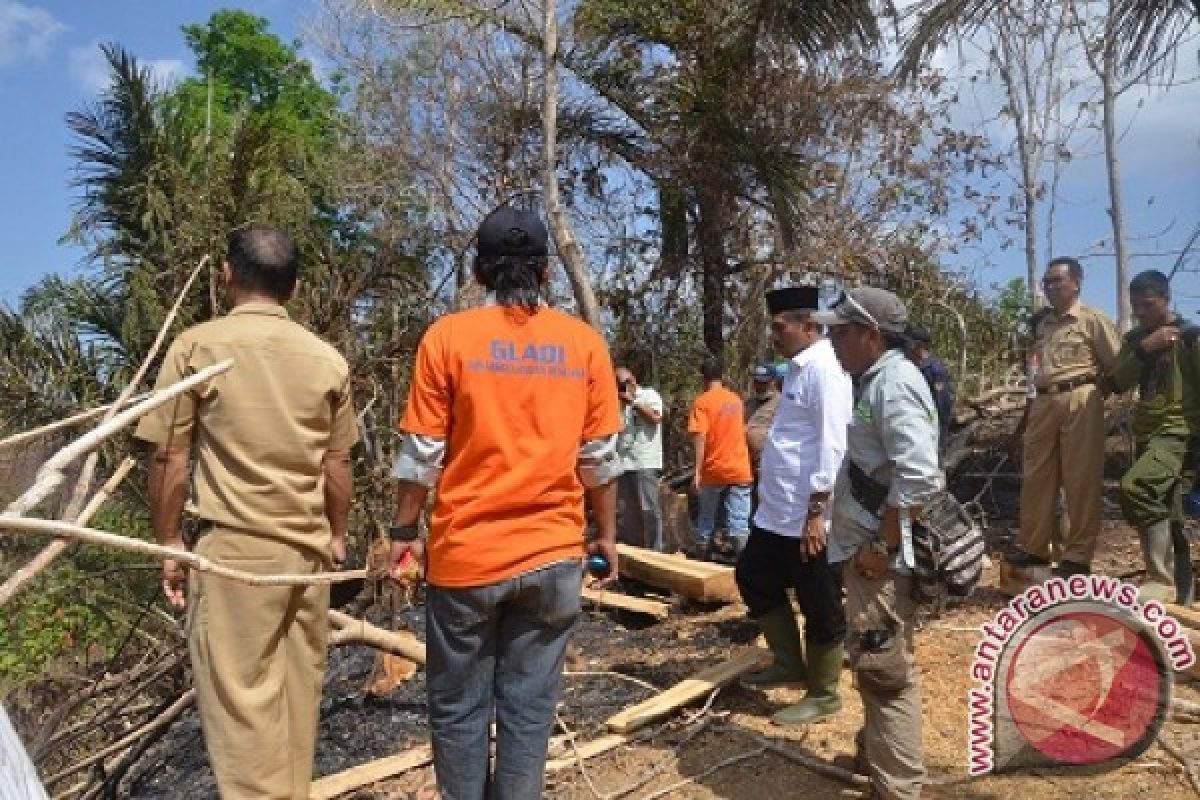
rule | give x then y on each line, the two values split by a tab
1058	387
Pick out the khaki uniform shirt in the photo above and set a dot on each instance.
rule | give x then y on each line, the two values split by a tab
1079	343
259	431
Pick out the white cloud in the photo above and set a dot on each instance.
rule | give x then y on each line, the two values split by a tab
166	71
91	70
26	32
89	67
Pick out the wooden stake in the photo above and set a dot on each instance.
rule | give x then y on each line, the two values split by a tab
354	778
595	747
639	605
687	691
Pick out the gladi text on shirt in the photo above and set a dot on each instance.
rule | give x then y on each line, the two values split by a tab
502	350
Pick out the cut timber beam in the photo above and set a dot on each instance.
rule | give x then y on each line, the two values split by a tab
686	691
355	778
696	580
639	605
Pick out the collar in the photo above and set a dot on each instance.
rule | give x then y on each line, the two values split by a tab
1072	312
264	309
811	353
489	299
885	359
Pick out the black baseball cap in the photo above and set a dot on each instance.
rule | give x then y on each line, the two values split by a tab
511	232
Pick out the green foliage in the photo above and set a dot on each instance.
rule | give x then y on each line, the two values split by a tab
251	70
82	611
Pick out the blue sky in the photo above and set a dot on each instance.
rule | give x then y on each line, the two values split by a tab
50	64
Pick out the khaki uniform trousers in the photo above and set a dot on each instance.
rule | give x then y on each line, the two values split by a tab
258	661
890	741
1064	447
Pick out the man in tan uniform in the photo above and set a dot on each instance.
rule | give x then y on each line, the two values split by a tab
272	488
1063	424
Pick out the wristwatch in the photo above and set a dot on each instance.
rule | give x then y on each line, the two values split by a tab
403	533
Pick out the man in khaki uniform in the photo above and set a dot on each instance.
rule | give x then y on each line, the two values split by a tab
272	489
1074	346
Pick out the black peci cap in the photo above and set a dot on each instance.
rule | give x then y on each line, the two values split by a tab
793	298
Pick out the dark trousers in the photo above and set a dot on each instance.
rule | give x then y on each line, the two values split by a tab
771	564
497	648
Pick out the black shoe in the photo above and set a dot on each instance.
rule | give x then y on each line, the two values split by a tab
1020	558
1066	569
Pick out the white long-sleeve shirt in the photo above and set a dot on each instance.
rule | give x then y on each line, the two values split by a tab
807	441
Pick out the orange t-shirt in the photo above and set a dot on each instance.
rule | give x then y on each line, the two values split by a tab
718	415
514	395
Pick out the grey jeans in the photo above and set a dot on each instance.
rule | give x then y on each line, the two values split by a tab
497	648
639	514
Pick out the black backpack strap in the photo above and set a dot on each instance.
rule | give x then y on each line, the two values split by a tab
1036	319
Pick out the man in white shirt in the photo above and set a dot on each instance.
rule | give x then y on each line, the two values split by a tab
787	547
639	447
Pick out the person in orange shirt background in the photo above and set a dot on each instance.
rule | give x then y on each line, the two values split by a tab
722	461
512	418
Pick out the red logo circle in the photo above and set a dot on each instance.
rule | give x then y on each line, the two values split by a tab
1085	687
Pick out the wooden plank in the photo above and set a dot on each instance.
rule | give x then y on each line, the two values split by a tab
587	750
354	778
697	580
1187	615
686	691
639	605
18	778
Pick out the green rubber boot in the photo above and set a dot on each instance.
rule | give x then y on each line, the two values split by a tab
783	637
822	700
1159	555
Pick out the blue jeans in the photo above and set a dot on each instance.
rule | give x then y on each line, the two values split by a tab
497	648
737	511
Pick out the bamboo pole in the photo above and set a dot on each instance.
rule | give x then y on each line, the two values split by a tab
50	527
50	476
88	472
24	437
42	560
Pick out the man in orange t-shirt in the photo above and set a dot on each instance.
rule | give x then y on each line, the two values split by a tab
722	461
512	417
